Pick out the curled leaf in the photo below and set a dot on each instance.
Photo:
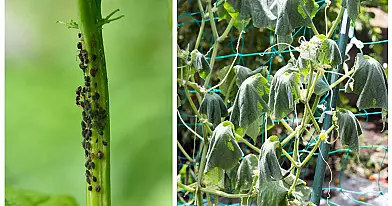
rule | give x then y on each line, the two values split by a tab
250	102
223	151
200	63
243	73
370	83
349	129
213	107
285	92
245	173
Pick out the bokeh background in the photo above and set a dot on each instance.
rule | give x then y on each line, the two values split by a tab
43	151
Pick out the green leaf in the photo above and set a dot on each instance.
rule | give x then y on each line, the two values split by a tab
250	102
276	192
230	9
245	173
226	84
200	63
349	129
223	151
18	197
282	15
370	83
268	161
243	73
285	92
321	86
353	8
214	178
320	50
214	107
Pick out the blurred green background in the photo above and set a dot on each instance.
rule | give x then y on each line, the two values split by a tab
43	135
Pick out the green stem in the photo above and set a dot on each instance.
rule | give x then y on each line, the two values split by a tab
288	138
202	24
184	152
337	82
292	188
284	123
95	104
335	23
288	156
307	107
247	143
215	192
202	166
209	203
310	19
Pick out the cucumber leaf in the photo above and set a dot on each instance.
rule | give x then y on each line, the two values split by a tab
268	161
243	73
285	92
200	63
353	8
213	106
224	87
281	15
223	151
245	173
229	10
214	178
349	129
370	83
250	103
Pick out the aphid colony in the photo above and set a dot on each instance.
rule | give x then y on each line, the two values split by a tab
94	116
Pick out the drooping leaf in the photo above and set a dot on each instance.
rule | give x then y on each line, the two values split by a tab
281	15
301	191
268	161
250	102
231	179
214	178
200	63
353	7
321	86
370	83
320	50
285	92
224	87
18	197
223	151
243	73
229	10
245	173
349	129
213	106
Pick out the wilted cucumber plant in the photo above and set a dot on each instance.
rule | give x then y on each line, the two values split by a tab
252	99
93	98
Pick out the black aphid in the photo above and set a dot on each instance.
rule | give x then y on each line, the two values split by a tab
88	145
94	179
88	180
90	188
83	124
104	142
78	90
95	84
87	173
100	132
97	188
92	72
82	66
96	140
87	84
96	96
93	57
86	153
79	45
100	155
80	35
92	165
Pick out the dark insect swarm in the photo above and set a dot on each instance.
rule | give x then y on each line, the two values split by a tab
94	116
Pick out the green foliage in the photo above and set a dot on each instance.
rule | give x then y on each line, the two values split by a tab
200	63
282	16
353	7
250	103
245	173
14	197
285	92
214	108
223	151
349	129
369	82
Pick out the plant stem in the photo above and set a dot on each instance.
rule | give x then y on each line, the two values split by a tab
286	126
215	192
288	138
335	23
202	24
292	188
229	89
96	108
315	123
248	143
184	152
202	166
341	79
208	199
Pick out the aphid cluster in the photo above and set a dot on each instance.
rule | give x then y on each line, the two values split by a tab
94	116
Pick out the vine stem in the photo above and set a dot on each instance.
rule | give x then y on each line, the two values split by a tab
335	23
202	24
98	153
202	166
337	82
215	192
184	152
